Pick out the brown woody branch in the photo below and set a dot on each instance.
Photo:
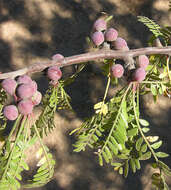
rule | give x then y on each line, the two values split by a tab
85	57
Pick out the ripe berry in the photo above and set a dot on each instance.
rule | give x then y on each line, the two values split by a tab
10	112
9	85
97	38
57	57
54	73
100	25
25	107
34	85
117	70
37	97
26	90
139	74
143	61
111	35
120	44
24	79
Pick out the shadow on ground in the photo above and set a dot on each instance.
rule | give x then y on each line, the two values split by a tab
33	31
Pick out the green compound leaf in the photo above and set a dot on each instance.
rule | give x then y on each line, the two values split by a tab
145	129
100	160
116	164
126	169
146	156
164	168
144	122
166	31
132	132
133	165
105	157
137	164
108	153
156	145
45	165
161	154
163	165
13	163
89	133
98	133
55	98
139	143
114	142
151	25
154	90
113	148
121	170
144	148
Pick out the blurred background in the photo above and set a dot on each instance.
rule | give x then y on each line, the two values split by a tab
33	30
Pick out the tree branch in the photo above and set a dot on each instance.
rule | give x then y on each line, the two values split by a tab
92	56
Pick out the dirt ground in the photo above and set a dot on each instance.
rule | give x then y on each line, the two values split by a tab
33	30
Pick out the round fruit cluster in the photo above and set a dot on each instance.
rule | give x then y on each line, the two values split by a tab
140	73
25	93
110	35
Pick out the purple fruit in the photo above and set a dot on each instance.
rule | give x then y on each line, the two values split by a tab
26	90
120	44
97	38
10	112
111	35
143	61
54	73
9	85
139	74
100	25
57	57
24	79
25	107
34	85
117	70
36	99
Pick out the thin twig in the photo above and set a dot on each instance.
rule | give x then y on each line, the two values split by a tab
85	57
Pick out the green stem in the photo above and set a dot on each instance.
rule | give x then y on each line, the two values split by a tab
106	91
116	119
41	143
22	150
16	140
152	82
14	127
107	88
140	130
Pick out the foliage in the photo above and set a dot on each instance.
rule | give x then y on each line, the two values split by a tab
116	132
55	98
13	151
152	26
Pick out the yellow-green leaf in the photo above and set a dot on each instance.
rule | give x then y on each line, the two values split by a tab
98	105
161	154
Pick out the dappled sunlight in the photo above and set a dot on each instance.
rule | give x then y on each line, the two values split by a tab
157	111
32	31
